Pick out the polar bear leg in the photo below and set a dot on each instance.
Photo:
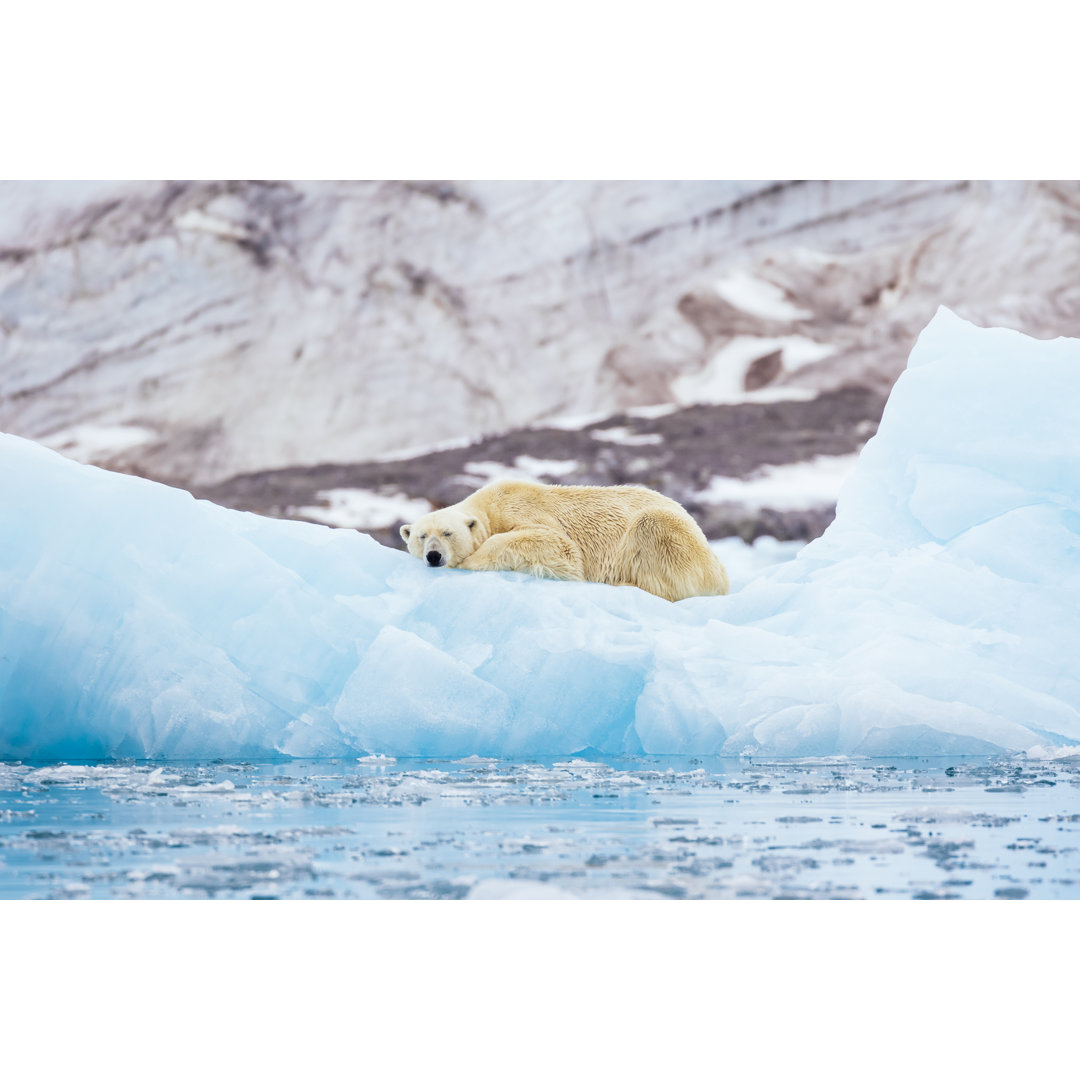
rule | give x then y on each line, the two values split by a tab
542	552
664	554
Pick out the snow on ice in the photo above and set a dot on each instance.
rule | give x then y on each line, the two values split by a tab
936	615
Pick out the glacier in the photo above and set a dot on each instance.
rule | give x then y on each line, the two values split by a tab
936	615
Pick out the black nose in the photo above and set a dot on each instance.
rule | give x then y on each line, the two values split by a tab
434	558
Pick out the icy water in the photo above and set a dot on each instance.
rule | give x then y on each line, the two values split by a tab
605	828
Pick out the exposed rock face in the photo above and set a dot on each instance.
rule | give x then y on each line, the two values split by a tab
196	331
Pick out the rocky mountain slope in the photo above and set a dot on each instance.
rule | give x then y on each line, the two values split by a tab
196	331
274	344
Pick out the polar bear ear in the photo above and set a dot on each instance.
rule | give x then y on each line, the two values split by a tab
405	530
471	523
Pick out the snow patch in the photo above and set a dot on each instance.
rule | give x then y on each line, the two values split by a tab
802	486
200	221
524	468
544	466
651	412
90	442
355	508
722	379
627	437
757	297
572	423
1053	753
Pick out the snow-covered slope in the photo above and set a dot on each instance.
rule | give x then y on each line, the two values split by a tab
936	615
196	331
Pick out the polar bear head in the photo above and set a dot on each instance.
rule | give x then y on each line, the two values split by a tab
444	537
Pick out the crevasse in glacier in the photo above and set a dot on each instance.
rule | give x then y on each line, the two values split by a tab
936	615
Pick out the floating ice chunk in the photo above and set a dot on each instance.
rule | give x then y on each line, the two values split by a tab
937	615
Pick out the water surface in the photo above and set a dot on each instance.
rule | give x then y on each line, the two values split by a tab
585	827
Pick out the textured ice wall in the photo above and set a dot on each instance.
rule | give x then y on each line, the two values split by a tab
937	614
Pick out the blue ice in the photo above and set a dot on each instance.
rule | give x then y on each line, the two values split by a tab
937	615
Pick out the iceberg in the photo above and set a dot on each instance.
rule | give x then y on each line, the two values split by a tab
936	615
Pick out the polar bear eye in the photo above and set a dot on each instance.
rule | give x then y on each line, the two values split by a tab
423	536
446	534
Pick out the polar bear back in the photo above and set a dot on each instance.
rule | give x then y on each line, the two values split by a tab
612	528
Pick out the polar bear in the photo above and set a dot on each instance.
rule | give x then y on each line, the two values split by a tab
623	535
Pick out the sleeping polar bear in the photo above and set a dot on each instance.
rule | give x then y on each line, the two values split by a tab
614	535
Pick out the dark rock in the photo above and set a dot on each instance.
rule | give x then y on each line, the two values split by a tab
763	370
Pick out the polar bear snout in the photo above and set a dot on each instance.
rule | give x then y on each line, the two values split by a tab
435	552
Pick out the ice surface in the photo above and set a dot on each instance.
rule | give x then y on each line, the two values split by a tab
936	615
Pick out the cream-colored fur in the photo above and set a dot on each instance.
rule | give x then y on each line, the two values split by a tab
614	535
